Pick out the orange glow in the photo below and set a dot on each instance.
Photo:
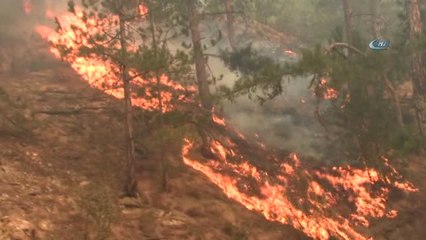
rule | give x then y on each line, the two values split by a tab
100	73
279	195
27	6
217	120
143	10
290	52
275	205
328	92
50	14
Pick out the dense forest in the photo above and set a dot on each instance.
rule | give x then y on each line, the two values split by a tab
219	119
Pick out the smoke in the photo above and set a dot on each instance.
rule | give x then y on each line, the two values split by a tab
286	122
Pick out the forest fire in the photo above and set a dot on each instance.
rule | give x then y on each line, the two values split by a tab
328	93
280	197
100	73
219	121
275	204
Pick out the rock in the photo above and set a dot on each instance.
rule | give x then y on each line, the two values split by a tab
173	219
171	222
84	183
4	196
130	202
19	229
134	212
35	191
44	225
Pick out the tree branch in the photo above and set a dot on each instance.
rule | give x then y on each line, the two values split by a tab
212	55
343	45
221	13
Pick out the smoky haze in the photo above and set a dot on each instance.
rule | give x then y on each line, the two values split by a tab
287	122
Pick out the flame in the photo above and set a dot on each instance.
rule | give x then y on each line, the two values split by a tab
100	73
217	120
290	53
27	6
274	202
274	198
143	10
328	93
50	14
357	180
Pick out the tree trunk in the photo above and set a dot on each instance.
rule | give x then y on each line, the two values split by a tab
200	64
348	21
375	28
418	71
375	20
347	37
230	23
130	185
164	162
396	101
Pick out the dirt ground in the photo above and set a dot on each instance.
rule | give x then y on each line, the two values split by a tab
61	168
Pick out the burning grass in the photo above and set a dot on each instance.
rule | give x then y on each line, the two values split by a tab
299	196
293	194
104	74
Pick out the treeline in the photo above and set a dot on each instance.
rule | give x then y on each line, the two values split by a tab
374	116
139	39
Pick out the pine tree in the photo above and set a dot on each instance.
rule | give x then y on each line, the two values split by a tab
418	71
110	43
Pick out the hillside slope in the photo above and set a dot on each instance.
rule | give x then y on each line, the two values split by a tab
61	166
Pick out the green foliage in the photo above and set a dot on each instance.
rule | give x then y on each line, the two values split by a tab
151	61
166	137
257	73
366	116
